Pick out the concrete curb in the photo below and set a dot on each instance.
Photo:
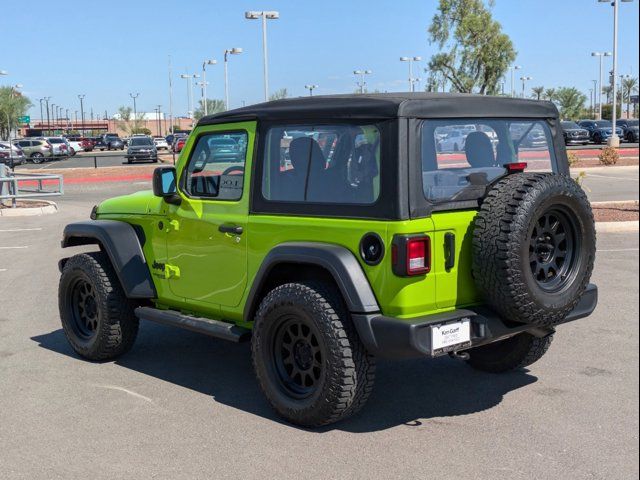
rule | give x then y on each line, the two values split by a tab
624	203
617	227
29	211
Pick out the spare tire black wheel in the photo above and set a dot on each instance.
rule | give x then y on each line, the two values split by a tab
534	245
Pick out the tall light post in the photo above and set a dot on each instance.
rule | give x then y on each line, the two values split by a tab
311	88
81	97
204	83
614	140
189	78
266	15
135	110
513	68
46	101
362	82
41	111
411	79
53	116
524	81
622	79
227	52
600	55
170	98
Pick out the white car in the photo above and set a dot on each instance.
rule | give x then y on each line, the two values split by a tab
453	142
16	153
74	146
160	143
59	146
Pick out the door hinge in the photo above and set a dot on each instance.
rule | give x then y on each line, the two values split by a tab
171	271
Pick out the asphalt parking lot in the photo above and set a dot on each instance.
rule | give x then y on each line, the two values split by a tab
180	405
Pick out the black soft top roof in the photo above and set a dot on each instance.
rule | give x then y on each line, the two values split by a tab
388	105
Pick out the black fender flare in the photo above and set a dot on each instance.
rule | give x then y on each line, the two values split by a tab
340	262
121	243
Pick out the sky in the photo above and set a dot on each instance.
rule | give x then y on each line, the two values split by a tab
107	50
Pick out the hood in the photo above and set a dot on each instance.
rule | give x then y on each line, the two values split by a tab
139	203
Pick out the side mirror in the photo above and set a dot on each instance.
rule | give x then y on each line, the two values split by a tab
164	184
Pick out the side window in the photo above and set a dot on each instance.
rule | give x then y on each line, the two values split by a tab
322	164
216	166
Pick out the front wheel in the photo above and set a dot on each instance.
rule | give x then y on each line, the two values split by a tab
307	356
97	317
37	158
510	354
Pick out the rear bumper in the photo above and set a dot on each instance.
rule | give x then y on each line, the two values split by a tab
397	338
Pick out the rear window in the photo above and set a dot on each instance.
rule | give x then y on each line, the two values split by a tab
322	164
461	157
56	140
141	141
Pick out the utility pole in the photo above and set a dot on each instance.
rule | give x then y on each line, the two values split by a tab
159	123
46	99
81	97
135	111
170	96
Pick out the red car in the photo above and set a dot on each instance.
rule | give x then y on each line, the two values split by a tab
87	144
179	144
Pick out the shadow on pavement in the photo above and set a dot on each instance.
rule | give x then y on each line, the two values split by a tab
406	392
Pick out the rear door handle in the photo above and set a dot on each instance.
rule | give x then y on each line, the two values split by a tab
234	229
450	250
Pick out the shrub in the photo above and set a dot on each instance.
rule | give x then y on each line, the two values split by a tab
572	158
609	156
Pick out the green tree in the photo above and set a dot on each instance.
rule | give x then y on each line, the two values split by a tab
474	52
537	92
570	102
279	94
629	87
607	90
12	105
213	106
549	94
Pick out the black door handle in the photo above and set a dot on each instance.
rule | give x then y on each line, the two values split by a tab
450	250
235	229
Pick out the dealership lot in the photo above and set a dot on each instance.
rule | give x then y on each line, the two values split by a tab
181	405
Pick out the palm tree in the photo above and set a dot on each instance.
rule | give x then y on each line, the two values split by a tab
608	91
629	87
537	92
549	94
570	102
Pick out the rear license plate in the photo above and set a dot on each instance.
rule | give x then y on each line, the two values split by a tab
451	336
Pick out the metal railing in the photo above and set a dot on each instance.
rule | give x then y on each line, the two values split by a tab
29	185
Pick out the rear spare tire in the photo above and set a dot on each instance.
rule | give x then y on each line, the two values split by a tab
534	246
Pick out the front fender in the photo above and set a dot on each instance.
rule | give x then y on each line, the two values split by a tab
120	242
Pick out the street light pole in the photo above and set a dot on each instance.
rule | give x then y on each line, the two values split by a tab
81	97
411	79
189	78
513	68
310	88
265	15
362	83
600	55
46	100
41	114
135	111
204	84
524	81
227	52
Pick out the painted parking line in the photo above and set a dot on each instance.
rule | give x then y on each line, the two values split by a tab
595	175
3	269
21	230
618	250
13	248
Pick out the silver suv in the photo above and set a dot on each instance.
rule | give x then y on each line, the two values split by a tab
36	150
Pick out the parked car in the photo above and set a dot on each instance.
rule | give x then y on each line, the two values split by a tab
87	144
75	145
60	146
178	144
453	141
629	129
574	134
109	141
160	143
599	130
323	269
141	148
35	149
171	138
11	152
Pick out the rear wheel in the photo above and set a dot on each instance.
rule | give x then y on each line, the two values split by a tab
510	354
308	358
97	317
37	158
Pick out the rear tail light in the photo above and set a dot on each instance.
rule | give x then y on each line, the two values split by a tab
411	255
518	167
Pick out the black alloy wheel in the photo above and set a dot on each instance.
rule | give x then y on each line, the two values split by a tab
552	249
297	357
84	309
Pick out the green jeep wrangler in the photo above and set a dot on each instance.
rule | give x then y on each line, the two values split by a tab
332	230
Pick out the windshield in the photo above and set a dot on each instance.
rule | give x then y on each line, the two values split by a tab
141	142
570	125
56	140
632	123
459	167
603	123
